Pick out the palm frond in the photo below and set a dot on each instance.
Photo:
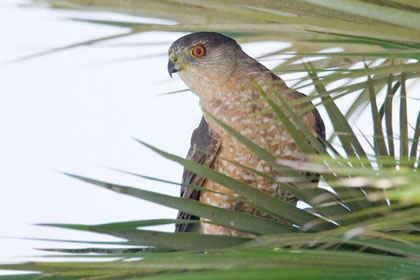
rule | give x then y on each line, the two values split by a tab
363	223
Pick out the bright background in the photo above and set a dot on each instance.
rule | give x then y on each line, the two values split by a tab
76	111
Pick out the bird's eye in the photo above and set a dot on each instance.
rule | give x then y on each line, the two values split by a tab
198	51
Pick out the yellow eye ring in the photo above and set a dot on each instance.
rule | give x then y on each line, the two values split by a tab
198	51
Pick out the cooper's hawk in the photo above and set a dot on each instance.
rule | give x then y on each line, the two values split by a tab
216	69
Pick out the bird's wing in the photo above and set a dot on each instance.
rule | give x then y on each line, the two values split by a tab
203	150
319	126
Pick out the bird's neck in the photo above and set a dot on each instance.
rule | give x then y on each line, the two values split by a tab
233	102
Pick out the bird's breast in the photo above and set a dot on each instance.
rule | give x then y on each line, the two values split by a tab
245	111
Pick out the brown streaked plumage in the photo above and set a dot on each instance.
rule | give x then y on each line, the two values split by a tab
225	78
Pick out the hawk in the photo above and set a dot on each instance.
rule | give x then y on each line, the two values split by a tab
224	77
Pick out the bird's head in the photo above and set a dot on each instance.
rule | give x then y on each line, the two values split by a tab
203	57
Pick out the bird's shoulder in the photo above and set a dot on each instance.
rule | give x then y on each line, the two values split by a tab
313	116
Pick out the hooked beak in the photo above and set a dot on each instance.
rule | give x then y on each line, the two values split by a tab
171	68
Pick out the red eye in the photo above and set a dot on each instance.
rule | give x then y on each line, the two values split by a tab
198	51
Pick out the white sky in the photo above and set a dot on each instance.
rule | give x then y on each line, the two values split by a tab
76	111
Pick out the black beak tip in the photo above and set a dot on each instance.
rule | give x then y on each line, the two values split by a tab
171	68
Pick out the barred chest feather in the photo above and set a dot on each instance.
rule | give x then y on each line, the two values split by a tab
242	109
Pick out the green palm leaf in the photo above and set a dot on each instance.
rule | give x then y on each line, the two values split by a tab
364	224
